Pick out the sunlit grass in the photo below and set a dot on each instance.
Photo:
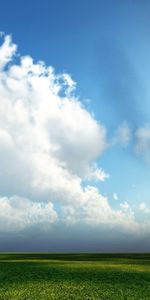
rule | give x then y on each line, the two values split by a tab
71	276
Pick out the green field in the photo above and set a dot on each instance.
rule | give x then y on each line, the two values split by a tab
74	276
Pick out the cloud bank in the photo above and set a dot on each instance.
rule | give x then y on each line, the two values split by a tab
49	144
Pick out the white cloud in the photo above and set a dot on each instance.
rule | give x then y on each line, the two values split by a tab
125	206
143	207
48	146
98	174
96	210
18	213
7	50
143	142
115	196
122	135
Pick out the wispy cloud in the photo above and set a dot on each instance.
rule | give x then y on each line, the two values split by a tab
122	135
142	146
115	196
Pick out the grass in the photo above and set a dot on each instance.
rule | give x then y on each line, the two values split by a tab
43	276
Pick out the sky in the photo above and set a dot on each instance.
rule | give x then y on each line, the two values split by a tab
75	125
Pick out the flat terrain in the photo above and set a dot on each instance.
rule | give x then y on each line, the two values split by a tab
46	276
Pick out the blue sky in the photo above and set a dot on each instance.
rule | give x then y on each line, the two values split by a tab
104	46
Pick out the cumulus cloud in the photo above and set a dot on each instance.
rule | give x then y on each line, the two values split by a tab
143	207
7	50
95	210
18	213
49	144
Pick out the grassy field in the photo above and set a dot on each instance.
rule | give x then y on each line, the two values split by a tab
46	276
